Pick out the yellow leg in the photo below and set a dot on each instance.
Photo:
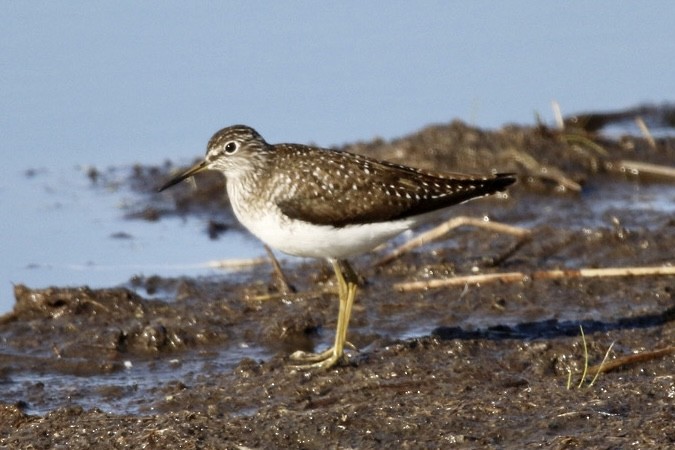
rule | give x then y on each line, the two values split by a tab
347	284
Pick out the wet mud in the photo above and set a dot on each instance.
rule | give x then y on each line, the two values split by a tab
203	362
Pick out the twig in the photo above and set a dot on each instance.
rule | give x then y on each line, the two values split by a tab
505	277
499	259
631	359
645	131
444	228
236	264
514	277
292	295
537	170
557	114
638	167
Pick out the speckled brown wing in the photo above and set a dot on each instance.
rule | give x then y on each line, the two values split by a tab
347	189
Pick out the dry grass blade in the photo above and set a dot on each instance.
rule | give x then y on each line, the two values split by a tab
601	365
583	340
588	370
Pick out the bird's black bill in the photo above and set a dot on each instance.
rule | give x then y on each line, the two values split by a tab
187	174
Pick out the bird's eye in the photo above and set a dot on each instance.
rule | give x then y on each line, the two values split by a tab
231	147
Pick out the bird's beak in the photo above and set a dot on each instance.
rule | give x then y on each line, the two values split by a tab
187	174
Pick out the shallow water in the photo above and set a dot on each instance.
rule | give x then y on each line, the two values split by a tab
132	389
68	231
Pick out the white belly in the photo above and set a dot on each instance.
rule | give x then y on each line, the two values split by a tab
320	241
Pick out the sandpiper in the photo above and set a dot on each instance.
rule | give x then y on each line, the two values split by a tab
313	202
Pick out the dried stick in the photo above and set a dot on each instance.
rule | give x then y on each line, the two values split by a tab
645	168
557	114
236	264
444	228
514	277
292	295
645	131
631	359
537	170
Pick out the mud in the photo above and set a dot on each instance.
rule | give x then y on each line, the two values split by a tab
203	362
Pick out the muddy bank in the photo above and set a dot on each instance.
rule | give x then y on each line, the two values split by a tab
203	362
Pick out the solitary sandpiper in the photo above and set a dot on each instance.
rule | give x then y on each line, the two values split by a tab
312	202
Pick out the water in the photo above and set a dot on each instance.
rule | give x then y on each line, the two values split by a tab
126	389
70	232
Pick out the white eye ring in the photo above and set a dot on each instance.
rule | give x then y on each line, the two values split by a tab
231	147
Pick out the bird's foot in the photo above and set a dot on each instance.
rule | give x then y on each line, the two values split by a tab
323	360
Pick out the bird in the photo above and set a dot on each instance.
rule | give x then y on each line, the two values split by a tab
314	202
